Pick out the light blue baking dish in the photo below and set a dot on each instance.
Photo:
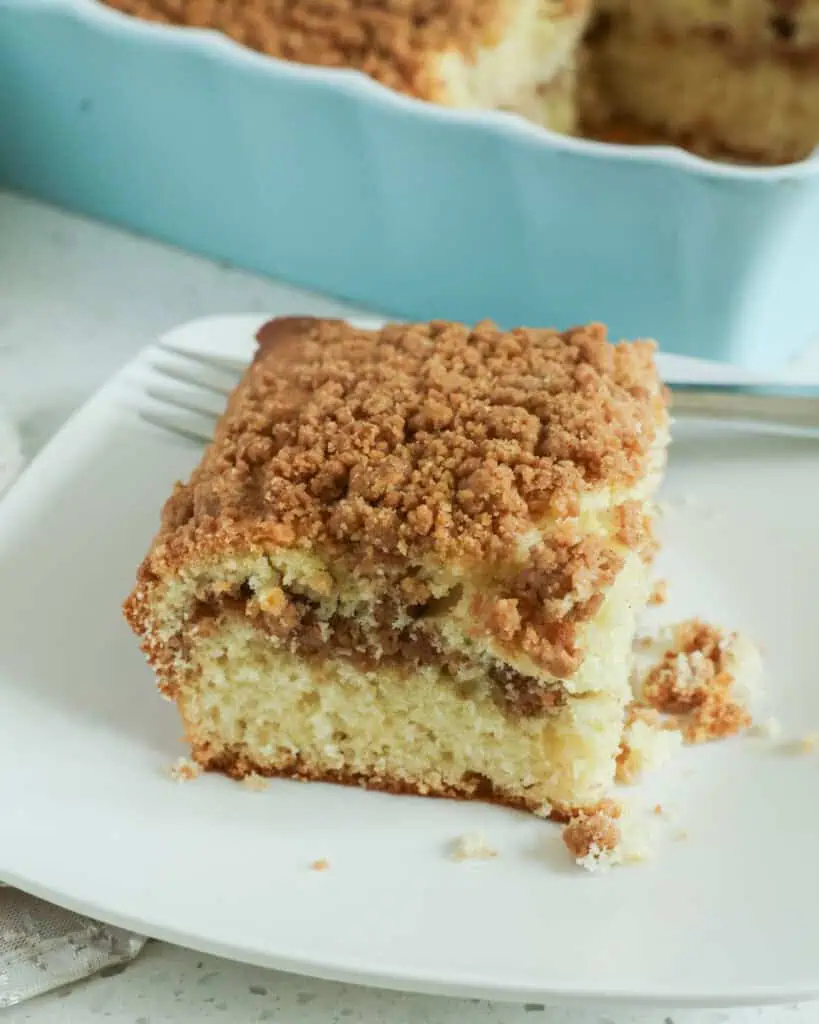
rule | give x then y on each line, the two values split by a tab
327	180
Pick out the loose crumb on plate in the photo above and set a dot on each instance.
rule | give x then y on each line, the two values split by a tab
659	593
184	770
322	864
592	839
770	729
255	782
472	847
606	837
702	681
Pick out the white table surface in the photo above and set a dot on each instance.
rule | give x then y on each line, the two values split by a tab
76	300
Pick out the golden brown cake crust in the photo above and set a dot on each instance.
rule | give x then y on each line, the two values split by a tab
391	40
415	440
239	767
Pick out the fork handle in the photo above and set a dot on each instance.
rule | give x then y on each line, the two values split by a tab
779	404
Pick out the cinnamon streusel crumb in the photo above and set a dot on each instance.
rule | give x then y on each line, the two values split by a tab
695	683
590	837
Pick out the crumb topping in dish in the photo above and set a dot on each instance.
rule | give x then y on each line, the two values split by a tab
391	40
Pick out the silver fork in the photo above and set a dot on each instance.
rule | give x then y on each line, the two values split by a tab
195	371
781	405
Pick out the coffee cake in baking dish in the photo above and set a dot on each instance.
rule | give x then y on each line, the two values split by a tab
461	53
732	79
413	559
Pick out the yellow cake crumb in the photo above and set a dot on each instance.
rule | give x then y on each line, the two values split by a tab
255	782
809	742
472	847
322	864
802	744
184	770
646	745
659	594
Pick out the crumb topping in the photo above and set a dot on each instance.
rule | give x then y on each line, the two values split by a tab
391	40
557	587
417	439
694	683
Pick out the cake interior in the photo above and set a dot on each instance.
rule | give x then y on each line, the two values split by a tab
278	670
530	70
256	709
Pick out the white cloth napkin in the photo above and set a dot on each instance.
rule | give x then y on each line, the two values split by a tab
43	947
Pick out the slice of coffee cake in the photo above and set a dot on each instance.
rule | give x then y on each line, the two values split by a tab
413	559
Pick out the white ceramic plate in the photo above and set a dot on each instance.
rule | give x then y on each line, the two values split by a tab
90	819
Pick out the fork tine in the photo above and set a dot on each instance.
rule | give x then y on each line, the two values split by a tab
177	402
169	426
185	377
224	363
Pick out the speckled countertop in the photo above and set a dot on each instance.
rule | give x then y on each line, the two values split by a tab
76	300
